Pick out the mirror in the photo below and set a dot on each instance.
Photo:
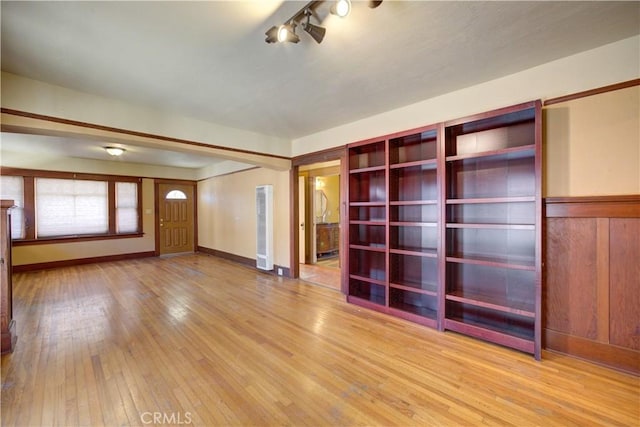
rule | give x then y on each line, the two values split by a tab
321	202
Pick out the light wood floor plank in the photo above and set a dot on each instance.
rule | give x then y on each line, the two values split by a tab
200	339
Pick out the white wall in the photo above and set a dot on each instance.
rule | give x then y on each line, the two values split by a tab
227	213
613	63
231	159
20	93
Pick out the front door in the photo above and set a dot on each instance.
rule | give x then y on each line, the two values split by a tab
176	218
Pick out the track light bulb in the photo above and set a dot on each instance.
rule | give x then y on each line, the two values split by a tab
341	8
286	33
282	33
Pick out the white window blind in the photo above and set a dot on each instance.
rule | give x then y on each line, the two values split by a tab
12	188
126	207
69	207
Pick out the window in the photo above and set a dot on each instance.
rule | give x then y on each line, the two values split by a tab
126	207
57	206
71	207
12	188
176	195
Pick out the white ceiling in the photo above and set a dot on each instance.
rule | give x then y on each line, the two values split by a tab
55	146
209	60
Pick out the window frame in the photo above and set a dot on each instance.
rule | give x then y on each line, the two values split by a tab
18	205
29	176
115	217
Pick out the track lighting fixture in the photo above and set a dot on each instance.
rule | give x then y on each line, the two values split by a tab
287	31
314	31
341	8
272	35
282	33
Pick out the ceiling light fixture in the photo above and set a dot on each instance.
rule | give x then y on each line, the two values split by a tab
341	8
286	32
272	35
314	31
115	151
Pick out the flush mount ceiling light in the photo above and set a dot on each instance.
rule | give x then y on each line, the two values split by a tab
286	32
115	151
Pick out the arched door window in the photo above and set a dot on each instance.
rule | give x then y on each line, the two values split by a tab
176	195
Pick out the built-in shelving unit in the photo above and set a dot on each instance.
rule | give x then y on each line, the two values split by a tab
413	226
492	210
393	225
445	225
367	223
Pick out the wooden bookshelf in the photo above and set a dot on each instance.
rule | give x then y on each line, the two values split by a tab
445	225
393	224
492	227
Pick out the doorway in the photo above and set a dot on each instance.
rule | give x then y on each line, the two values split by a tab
320	223
175	223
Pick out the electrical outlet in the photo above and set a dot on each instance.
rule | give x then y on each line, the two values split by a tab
279	272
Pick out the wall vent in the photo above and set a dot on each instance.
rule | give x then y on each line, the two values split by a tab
264	210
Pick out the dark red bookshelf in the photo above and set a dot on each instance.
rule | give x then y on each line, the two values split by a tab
492	226
394	213
445	225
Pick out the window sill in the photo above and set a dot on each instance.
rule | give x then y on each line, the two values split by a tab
74	239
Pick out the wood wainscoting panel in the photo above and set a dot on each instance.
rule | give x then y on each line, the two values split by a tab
591	292
625	282
570	290
601	353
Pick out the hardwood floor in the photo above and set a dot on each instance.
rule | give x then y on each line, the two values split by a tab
321	275
199	340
